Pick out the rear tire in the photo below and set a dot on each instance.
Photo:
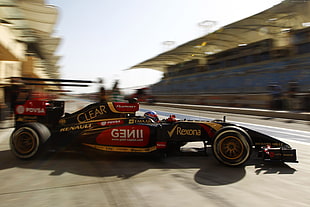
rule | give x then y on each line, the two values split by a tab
27	140
232	146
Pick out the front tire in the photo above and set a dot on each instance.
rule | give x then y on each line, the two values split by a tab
232	146
27	140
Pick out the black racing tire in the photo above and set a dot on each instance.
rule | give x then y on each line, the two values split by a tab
232	146
27	139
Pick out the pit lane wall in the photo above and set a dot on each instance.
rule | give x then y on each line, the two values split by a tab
247	111
300	102
250	104
234	100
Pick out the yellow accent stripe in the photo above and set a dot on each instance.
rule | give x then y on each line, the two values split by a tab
121	149
112	108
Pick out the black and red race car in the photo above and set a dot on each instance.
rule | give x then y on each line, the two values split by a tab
114	126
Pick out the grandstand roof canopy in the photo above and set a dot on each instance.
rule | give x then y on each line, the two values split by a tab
271	23
25	16
33	22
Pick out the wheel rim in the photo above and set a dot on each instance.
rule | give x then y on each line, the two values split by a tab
231	148
25	142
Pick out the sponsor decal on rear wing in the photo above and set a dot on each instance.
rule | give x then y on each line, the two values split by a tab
36	108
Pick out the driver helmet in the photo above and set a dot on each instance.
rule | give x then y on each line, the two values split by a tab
152	115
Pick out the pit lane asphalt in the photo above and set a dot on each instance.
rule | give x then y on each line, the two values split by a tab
89	178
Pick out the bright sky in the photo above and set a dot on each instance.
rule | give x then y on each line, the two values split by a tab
102	38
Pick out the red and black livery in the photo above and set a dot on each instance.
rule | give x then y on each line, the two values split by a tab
114	126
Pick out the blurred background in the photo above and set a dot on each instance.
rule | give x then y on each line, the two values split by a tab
234	54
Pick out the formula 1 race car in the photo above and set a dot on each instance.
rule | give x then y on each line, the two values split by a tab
114	126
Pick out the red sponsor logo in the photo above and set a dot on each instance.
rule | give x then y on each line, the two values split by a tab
134	135
37	108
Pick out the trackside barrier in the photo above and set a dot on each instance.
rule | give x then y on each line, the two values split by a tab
247	111
227	100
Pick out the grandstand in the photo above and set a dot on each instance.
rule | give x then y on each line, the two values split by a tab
243	63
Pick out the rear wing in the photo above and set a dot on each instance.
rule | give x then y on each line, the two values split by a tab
45	112
32	107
